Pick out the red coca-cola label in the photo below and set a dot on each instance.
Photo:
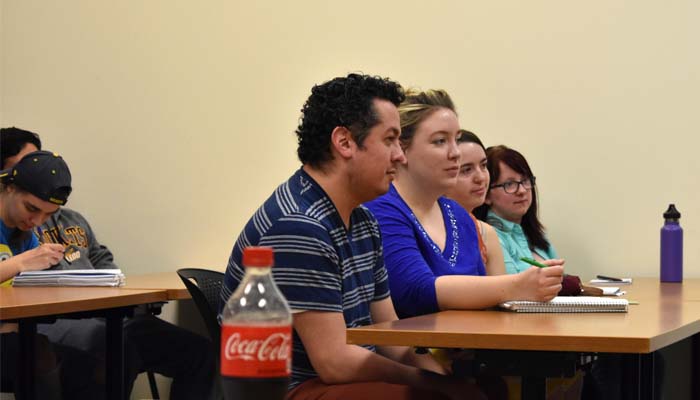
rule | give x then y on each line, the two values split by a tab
256	351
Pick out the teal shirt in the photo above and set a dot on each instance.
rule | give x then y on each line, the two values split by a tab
515	245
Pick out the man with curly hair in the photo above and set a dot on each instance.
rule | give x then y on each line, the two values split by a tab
328	251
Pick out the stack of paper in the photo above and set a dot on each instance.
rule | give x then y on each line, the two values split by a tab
569	304
612	291
71	277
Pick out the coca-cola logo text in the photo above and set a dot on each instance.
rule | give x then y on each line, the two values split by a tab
275	347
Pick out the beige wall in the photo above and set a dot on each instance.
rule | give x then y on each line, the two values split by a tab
177	117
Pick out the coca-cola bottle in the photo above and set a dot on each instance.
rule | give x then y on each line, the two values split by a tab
256	334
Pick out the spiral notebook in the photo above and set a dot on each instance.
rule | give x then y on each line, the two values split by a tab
569	304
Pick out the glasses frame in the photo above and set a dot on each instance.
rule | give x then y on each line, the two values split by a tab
517	185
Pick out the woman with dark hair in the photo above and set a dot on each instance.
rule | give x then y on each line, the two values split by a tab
470	192
511	208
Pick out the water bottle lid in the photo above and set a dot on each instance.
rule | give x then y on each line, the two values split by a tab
672	213
255	256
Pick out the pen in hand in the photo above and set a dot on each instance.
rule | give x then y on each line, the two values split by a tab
69	254
533	262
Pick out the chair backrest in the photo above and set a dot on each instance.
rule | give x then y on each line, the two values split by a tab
206	294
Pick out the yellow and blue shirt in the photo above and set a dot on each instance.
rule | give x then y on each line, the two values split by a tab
8	250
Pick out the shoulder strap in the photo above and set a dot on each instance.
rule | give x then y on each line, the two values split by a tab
480	233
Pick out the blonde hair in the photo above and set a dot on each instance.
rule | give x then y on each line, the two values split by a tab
418	106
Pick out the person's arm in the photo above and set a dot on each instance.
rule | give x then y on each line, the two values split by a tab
535	284
478	292
417	289
495	264
382	311
39	258
336	362
303	255
307	272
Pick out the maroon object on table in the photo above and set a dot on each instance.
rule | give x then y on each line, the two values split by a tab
570	286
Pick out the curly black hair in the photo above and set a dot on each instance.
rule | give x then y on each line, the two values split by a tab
343	101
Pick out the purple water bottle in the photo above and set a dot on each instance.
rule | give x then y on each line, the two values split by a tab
672	247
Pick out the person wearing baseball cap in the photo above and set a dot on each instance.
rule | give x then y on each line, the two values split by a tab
30	192
149	340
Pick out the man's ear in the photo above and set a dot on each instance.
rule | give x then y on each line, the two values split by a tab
342	142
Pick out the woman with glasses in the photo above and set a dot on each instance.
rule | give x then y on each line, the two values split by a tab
511	208
430	242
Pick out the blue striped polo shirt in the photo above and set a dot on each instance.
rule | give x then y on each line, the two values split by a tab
319	264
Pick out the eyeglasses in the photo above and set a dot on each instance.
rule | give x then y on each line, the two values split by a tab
511	187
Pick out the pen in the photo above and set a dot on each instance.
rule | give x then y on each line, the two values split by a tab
533	262
608	278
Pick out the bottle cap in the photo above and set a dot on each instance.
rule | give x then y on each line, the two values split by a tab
258	257
672	213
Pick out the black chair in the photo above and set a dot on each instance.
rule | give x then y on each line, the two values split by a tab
206	295
206	292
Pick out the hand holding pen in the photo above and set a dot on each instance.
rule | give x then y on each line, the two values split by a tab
70	251
41	257
542	283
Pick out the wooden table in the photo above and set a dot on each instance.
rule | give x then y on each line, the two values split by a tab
667	314
29	305
652	289
168	281
25	302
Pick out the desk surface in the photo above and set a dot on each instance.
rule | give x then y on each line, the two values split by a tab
653	289
24	302
667	313
169	281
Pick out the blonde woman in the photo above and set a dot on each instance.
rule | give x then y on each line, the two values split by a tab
430	242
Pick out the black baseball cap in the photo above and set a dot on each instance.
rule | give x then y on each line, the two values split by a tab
43	174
